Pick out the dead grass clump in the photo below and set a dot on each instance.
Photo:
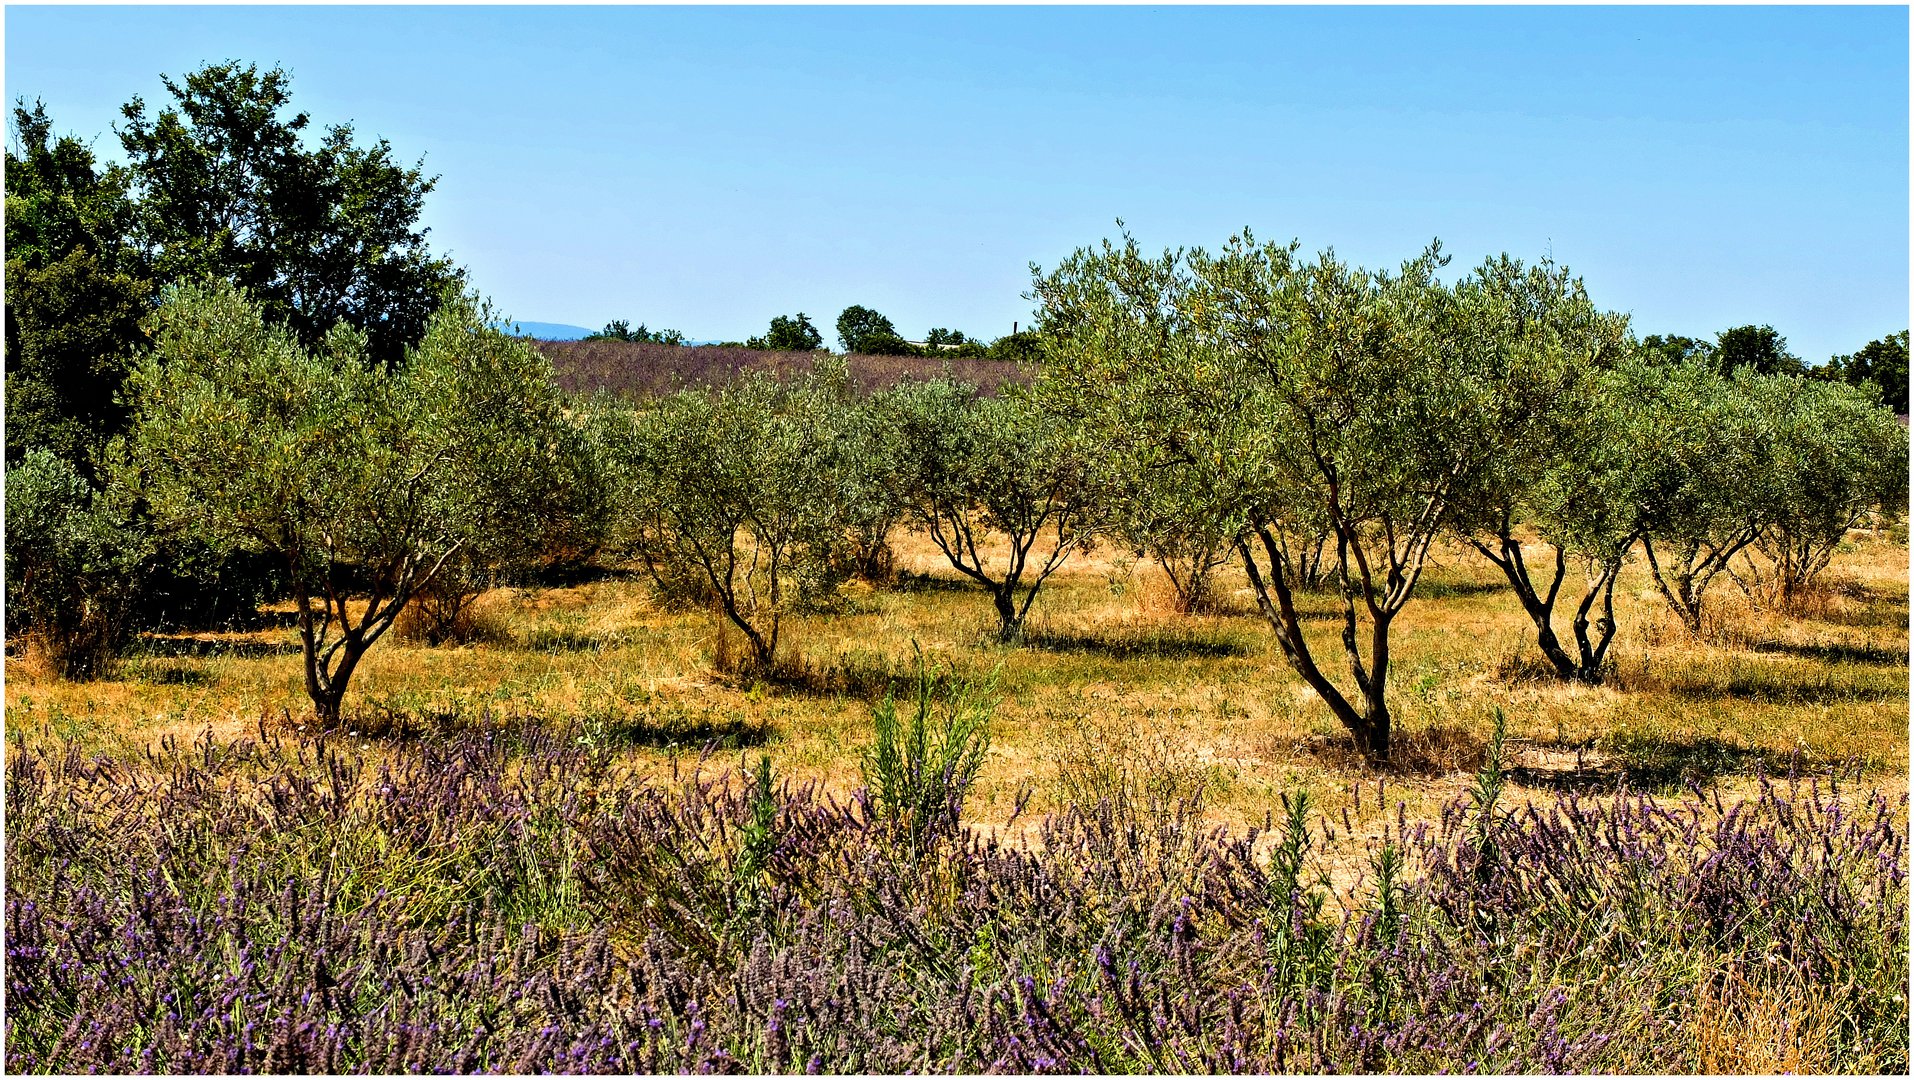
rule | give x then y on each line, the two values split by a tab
89	651
1765	1026
1116	761
452	616
1158	594
1525	667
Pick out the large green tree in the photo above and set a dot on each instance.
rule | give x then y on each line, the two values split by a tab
1703	456
1836	456
1882	363
1003	489
861	330
738	495
231	182
76	290
1555	490
73	565
226	181
1758	347
347	471
789	333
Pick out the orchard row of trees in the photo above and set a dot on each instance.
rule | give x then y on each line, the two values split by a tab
234	372
1277	405
1320	425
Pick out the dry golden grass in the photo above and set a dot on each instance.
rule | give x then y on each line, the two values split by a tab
1765	1027
1108	673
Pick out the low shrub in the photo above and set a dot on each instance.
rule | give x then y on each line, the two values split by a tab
515	901
74	564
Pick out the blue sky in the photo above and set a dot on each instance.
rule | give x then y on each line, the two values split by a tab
706	169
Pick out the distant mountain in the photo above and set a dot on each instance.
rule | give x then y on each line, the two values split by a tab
550	331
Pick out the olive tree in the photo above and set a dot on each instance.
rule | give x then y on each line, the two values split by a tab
347	470
1002	488
1172	517
1322	397
739	491
1161	497
873	480
1837	455
1703	458
563	522
1560	472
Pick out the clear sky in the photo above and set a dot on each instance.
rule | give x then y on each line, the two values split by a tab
706	169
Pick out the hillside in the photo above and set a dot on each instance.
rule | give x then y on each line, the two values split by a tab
546	331
639	369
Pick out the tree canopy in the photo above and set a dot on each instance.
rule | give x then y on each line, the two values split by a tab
344	469
789	333
1881	363
1305	398
228	186
861	330
224	181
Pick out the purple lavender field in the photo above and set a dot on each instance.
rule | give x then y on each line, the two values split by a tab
517	902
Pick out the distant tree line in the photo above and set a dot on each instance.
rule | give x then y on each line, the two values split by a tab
859	330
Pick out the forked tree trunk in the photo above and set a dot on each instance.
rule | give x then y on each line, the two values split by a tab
1683	582
1190	573
1367	718
955	536
326	683
1009	622
1539	604
330	661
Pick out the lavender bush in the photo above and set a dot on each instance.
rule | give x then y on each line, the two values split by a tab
515	901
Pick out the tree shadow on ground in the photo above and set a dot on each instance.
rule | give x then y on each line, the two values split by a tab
1441	590
188	645
1835	653
863	677
1774	688
1437	750
170	674
566	576
546	640
1128	646
907	582
674	731
1652	764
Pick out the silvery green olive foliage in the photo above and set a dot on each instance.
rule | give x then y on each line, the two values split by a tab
1837	456
562	522
1561	468
1004	489
1168	495
874	483
74	561
356	474
740	491
1313	397
1172	519
1703	451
